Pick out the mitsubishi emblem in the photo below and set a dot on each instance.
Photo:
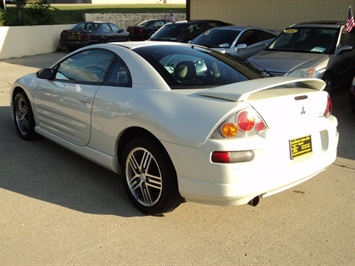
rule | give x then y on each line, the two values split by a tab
303	112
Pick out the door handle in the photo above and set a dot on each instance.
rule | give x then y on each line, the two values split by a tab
84	99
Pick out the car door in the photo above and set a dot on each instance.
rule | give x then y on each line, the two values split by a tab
64	104
117	33
253	41
345	66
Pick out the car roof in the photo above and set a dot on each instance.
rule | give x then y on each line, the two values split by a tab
233	28
321	24
98	22
137	44
194	21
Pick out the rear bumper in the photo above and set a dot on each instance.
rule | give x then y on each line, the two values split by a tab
271	171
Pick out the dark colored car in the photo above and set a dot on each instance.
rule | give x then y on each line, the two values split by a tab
352	95
86	33
144	29
185	31
236	40
322	49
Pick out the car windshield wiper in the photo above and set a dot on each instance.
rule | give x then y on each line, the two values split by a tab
254	66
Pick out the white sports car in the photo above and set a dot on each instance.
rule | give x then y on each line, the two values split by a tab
180	122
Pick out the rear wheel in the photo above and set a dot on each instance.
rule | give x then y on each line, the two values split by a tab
24	120
149	177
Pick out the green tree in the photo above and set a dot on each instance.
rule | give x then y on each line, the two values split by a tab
35	13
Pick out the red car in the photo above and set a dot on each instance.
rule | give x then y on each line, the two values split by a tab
86	33
143	30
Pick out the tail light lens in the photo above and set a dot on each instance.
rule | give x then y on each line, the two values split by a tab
329	107
83	36
246	122
140	31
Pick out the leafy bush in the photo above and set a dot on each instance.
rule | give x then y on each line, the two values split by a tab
37	13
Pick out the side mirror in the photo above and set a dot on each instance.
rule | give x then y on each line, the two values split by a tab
345	48
241	46
45	73
120	30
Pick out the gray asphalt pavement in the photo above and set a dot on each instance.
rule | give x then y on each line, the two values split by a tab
57	208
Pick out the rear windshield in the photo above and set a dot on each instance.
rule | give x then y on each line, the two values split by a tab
217	38
191	67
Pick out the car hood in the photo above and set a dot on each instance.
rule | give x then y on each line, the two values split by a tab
286	62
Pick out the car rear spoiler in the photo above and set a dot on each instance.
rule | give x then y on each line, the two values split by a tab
242	90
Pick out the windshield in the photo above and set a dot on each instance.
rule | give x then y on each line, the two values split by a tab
169	32
191	67
217	38
306	39
142	24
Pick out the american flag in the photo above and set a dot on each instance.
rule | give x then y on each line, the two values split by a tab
173	19
350	24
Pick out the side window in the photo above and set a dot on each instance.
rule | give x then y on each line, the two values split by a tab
265	35
249	37
114	27
85	67
348	38
119	75
105	28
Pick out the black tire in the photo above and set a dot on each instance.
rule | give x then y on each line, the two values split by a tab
328	79
23	117
149	177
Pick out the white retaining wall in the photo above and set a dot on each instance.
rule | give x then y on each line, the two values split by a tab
23	41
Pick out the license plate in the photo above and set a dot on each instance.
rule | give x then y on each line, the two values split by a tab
73	37
300	146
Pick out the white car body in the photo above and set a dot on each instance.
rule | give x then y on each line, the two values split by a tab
91	119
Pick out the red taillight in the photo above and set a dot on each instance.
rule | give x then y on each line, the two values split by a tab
83	37
220	157
232	156
245	121
329	107
140	31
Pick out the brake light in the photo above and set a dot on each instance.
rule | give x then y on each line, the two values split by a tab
232	156
83	36
140	31
329	107
246	122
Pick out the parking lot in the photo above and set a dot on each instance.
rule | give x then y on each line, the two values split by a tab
59	208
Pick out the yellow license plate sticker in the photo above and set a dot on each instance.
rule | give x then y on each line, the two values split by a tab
300	146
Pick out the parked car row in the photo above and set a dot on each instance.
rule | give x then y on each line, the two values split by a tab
313	50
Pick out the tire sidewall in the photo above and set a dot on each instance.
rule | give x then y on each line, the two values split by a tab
169	198
31	134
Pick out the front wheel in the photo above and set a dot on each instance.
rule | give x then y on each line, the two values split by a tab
149	177
24	120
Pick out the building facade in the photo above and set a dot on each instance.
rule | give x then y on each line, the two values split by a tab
273	14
